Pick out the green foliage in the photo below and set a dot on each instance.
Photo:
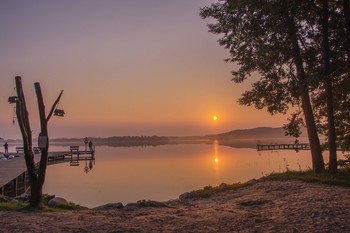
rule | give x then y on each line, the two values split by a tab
293	127
7	203
341	99
10	204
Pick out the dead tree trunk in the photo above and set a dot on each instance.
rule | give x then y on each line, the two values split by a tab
36	175
23	122
43	134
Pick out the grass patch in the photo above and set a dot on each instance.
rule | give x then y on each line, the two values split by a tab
11	204
43	207
342	178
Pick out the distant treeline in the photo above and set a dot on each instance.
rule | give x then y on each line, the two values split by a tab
247	138
124	141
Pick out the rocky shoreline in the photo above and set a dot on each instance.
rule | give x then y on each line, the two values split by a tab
264	206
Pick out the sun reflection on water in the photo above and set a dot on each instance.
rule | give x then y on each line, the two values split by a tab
216	153
216	159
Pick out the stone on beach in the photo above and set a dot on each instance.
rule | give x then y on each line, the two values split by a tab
56	201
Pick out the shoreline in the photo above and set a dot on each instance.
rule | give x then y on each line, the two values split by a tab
262	206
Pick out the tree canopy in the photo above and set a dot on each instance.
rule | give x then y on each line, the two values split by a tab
284	42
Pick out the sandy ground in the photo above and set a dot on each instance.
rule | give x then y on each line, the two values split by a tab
266	206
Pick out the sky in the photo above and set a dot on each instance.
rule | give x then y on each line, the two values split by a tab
140	67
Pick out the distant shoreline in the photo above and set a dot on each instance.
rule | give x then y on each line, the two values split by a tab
242	138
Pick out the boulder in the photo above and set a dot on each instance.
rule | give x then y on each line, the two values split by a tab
23	197
56	201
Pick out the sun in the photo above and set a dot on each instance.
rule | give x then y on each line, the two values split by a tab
216	160
215	118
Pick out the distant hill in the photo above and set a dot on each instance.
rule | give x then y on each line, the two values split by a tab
235	138
254	133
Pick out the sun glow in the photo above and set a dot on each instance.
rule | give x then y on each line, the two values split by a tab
215	118
216	160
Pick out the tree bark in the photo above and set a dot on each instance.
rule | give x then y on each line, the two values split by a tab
23	122
316	152
44	132
346	11
44	151
328	89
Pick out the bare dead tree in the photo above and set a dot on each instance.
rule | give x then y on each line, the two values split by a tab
36	173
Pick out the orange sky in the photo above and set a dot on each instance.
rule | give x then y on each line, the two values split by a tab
126	67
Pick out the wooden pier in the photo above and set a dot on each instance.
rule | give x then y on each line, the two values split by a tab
64	156
14	179
294	146
13	176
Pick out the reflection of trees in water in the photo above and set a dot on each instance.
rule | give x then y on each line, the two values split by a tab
132	141
128	141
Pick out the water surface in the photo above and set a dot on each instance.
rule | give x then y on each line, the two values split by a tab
129	174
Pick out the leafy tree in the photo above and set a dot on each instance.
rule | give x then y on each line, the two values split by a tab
271	38
300	49
333	116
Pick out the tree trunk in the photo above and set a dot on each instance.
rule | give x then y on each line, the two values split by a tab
328	89
316	152
346	11
23	122
36	176
43	133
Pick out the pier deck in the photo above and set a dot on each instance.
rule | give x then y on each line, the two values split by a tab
13	172
297	146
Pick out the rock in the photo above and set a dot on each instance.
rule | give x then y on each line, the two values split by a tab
56	201
23	197
110	206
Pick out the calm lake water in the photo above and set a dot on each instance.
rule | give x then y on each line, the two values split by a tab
129	174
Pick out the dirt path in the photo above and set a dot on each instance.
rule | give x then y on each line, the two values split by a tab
266	206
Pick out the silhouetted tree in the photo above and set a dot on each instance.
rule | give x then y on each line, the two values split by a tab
270	37
333	116
300	49
36	174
